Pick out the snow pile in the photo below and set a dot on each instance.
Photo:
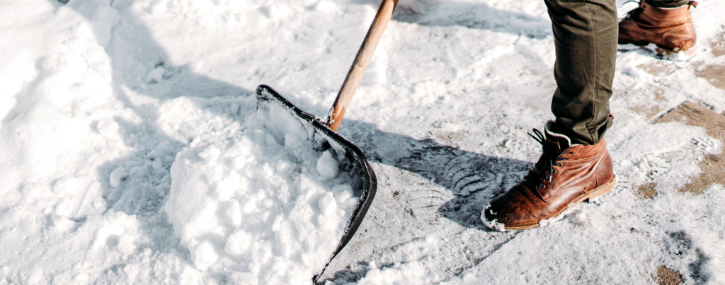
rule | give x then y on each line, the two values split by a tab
261	206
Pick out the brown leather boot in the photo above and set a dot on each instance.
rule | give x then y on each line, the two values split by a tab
564	176
669	28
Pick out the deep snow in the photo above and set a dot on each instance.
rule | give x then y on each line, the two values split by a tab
100	98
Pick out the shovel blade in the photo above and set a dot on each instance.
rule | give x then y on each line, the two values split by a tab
364	183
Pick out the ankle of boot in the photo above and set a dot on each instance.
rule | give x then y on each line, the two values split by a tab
658	16
671	4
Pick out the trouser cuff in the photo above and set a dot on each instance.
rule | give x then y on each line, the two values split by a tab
582	133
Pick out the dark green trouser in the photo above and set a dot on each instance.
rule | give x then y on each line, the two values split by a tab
585	33
667	3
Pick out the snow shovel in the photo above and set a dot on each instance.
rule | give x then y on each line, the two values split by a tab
364	182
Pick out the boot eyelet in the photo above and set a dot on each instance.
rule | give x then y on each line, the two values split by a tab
540	186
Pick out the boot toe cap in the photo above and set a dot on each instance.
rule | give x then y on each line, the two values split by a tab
492	220
507	216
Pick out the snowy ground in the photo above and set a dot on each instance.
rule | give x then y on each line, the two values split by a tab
99	97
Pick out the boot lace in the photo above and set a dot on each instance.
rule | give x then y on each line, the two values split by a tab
544	168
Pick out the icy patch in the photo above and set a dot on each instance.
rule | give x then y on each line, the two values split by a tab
260	205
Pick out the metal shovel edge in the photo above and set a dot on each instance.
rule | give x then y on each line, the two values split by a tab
354	161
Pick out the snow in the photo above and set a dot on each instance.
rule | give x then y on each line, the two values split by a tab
116	177
130	150
327	166
245	201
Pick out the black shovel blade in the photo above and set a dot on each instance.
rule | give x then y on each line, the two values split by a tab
364	183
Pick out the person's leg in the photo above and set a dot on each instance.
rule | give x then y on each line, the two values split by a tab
666	23
585	35
575	165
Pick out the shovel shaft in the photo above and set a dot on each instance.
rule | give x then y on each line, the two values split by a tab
361	63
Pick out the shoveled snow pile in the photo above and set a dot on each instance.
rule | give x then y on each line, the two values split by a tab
261	205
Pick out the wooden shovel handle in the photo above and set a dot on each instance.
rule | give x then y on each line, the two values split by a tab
361	63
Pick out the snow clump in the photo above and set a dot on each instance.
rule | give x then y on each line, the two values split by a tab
260	205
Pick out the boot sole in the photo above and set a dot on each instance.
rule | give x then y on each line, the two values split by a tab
659	49
589	196
665	51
